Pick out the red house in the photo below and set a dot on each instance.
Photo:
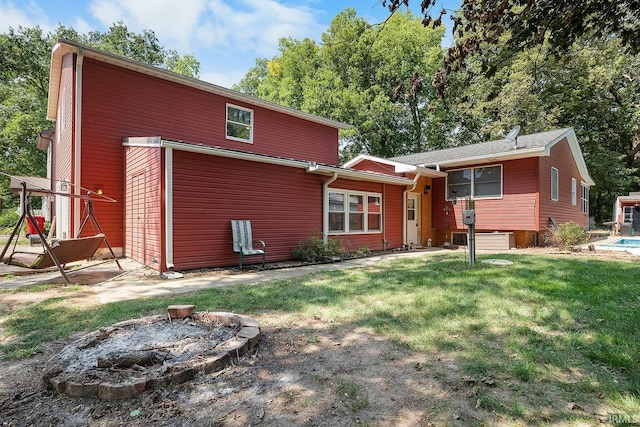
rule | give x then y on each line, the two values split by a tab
183	158
520	187
626	214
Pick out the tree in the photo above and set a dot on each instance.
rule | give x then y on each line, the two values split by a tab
354	77
595	90
25	56
480	24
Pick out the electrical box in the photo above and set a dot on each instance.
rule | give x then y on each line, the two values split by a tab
468	217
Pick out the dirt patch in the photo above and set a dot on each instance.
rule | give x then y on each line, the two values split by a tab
308	374
312	372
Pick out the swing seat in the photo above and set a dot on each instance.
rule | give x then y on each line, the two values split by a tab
65	251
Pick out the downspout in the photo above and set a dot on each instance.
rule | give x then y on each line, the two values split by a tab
325	208
404	206
77	143
168	206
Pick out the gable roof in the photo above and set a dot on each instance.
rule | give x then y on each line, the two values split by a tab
398	167
64	47
525	146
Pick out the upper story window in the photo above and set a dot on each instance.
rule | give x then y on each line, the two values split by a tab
554	184
239	123
481	182
354	212
584	199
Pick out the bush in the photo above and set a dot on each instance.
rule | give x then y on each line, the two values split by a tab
314	250
567	236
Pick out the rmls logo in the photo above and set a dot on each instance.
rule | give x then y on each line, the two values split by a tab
624	419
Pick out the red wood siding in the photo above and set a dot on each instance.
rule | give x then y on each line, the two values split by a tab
118	103
561	210
391	216
143	210
515	210
284	206
371	166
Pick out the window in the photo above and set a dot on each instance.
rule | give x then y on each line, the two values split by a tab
554	184
481	182
239	123
574	191
349	213
628	214
584	199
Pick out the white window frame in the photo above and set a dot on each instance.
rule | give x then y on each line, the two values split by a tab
228	122
347	212
555	178
473	184
627	214
584	198
574	191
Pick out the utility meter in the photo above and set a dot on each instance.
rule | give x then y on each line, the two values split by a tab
468	217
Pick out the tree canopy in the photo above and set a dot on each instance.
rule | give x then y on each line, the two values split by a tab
523	24
25	55
367	76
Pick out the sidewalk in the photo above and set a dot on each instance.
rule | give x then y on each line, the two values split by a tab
121	289
137	281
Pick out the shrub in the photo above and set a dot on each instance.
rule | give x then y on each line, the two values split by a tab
567	236
314	250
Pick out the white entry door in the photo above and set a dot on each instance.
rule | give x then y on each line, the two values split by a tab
413	220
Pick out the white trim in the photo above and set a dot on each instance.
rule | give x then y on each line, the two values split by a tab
168	206
66	46
77	143
227	121
472	183
399	167
557	186
365	211
310	167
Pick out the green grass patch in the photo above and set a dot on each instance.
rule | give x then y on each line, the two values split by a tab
567	324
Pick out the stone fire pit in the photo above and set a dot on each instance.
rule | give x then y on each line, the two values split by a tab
127	358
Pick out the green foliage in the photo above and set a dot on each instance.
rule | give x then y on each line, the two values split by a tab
25	55
8	218
373	77
314	250
567	236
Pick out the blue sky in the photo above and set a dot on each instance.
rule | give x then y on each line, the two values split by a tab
226	36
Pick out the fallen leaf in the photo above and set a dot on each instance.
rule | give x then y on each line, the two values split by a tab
573	406
134	413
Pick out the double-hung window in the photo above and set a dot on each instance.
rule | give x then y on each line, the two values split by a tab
354	212
239	123
481	182
628	214
584	199
554	184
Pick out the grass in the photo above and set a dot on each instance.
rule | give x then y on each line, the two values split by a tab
568	325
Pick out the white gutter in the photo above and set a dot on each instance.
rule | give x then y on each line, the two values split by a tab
77	144
325	208
168	207
404	206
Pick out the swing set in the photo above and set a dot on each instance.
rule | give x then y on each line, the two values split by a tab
58	252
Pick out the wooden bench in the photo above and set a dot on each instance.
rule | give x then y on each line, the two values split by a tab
243	240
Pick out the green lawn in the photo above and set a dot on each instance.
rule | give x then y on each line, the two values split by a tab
546	328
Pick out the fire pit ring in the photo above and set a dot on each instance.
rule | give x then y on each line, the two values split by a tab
128	358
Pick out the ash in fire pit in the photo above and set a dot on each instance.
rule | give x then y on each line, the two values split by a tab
127	358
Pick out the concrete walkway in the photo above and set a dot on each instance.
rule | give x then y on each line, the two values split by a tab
121	288
137	281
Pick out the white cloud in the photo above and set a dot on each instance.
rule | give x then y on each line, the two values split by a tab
25	15
226	79
172	23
